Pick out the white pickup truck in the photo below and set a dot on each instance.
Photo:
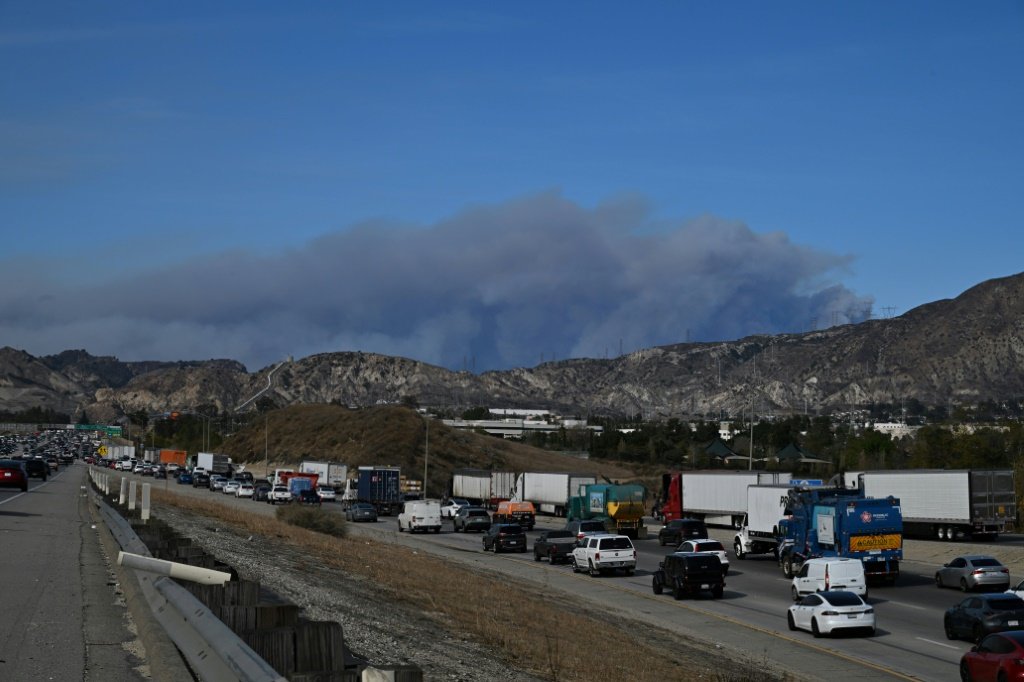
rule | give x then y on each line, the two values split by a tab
599	553
279	493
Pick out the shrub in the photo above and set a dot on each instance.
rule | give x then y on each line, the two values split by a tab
313	518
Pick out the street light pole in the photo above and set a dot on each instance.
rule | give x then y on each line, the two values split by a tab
426	456
750	459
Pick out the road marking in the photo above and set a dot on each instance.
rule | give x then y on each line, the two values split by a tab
931	641
909	606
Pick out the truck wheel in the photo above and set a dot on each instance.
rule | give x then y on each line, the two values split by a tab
787	566
950	533
575	566
656	585
738	550
536	557
594	572
677	591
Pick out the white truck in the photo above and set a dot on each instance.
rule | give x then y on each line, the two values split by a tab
948	504
333	474
214	463
482	486
766	505
716	497
599	553
550	493
423	515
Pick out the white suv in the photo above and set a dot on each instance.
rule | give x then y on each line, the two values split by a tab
599	553
707	545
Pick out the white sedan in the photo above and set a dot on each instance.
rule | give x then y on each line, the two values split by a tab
326	493
245	490
451	510
230	487
824	613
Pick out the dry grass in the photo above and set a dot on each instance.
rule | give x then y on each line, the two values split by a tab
553	639
393	435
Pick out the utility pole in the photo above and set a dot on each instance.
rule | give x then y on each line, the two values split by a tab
426	455
750	459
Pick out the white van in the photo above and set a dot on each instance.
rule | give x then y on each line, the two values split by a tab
424	515
830	573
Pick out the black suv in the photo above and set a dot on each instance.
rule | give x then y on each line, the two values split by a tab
472	518
37	468
689	573
505	536
677	530
200	480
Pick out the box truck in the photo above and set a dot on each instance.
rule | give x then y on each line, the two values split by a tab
948	504
550	493
716	497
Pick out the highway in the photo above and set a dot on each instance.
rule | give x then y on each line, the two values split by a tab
910	643
61	619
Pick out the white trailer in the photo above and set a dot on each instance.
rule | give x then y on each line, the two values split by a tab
472	484
766	505
503	484
550	492
333	474
948	504
720	497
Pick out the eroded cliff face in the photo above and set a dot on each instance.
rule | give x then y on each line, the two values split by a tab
963	350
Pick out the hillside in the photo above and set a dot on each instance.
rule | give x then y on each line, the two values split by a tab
394	436
965	350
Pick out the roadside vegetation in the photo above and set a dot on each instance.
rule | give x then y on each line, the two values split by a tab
541	633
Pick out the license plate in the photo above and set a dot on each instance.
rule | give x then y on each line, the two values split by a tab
851	615
1012	622
705	586
7	474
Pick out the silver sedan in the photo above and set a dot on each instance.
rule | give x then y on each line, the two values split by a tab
973	572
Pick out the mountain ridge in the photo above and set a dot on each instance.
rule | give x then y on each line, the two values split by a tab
965	349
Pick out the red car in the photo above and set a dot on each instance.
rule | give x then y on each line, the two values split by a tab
999	656
13	474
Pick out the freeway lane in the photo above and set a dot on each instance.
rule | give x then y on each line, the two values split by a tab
59	619
910	641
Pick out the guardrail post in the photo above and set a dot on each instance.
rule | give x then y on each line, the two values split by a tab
145	502
124	491
132	487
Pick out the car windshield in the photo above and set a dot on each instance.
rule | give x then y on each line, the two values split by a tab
364	507
1006	604
510	530
476	512
710	547
842	598
616	543
984	562
559	534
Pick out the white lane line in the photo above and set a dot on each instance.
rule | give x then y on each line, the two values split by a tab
909	606
931	641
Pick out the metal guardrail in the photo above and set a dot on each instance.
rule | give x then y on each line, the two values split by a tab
213	650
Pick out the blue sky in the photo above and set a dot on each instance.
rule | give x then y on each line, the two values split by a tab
484	185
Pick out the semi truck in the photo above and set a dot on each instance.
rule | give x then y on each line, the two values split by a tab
214	463
716	497
620	507
759	533
333	474
948	505
550	493
827	522
483	487
381	487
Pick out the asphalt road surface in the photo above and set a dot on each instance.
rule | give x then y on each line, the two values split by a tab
751	617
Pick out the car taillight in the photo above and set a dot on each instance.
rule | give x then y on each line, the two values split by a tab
830	613
634	554
597	556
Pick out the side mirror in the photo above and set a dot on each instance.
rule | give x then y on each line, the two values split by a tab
974	648
945	565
